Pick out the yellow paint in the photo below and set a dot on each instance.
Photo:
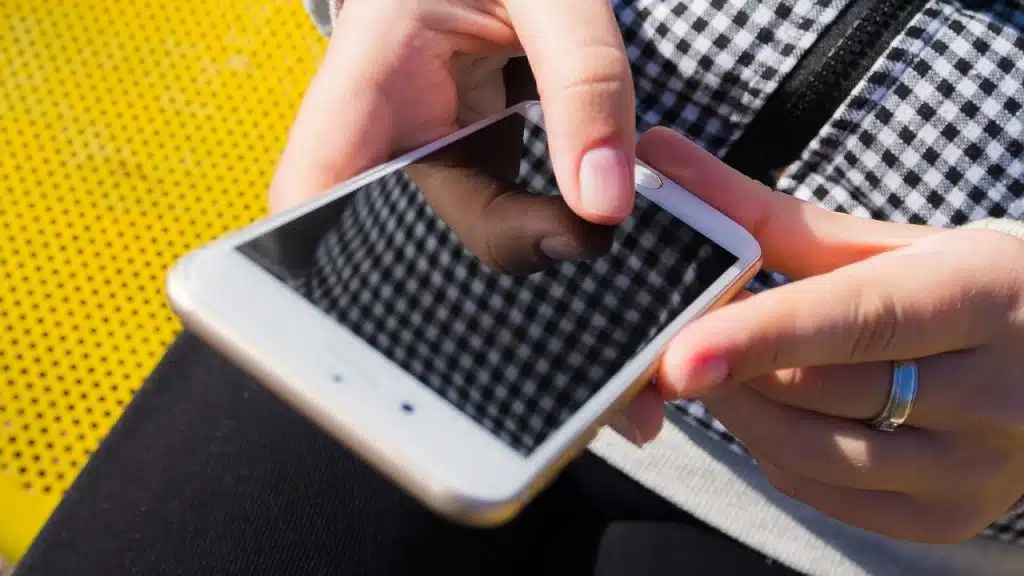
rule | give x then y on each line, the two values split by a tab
23	513
130	132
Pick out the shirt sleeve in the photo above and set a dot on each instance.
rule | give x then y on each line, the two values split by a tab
1006	225
322	13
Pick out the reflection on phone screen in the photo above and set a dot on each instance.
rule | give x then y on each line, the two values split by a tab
441	268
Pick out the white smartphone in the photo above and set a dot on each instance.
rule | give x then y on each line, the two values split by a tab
452	322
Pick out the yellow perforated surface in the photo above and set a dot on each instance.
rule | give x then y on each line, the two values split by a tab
130	132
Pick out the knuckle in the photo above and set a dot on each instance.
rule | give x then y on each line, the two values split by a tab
596	70
765	217
810	383
878	319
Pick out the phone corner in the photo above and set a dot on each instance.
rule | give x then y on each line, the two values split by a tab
756	259
477	511
179	287
748	251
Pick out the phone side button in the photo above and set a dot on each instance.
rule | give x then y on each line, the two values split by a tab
644	177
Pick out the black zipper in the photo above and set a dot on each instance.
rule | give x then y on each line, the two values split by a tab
818	85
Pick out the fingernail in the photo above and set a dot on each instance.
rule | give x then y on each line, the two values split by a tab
560	248
704	375
606	183
628	430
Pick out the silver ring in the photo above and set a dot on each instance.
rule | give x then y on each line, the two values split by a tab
901	397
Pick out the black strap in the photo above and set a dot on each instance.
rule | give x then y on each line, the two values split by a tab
818	85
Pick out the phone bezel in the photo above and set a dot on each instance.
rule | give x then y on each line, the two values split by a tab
441	456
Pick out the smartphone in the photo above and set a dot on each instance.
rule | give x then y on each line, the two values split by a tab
451	321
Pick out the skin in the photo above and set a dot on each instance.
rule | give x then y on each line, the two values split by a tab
401	73
792	372
795	371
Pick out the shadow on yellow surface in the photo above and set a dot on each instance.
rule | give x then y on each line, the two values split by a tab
130	133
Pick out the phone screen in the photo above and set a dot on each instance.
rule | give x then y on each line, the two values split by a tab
469	271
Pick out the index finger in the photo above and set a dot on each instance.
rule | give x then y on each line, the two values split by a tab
797	238
870	311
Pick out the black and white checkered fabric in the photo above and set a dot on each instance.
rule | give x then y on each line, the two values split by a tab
933	134
706	67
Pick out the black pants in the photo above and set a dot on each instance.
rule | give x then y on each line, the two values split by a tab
207	473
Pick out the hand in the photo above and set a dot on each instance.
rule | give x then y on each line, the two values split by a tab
398	74
471	185
795	372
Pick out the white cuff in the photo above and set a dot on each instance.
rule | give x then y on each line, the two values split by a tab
323	13
1005	225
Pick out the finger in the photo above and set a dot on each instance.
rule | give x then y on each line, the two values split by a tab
890	514
357	105
642	420
586	87
797	238
956	391
865	312
829	462
319	152
832	450
855	391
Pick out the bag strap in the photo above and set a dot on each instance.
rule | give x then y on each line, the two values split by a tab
818	85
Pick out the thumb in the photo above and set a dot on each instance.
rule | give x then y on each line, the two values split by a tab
797	238
586	87
328	144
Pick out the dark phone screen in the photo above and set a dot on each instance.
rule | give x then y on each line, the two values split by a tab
444	268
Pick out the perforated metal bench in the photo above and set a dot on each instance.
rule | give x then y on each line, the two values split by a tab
130	133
